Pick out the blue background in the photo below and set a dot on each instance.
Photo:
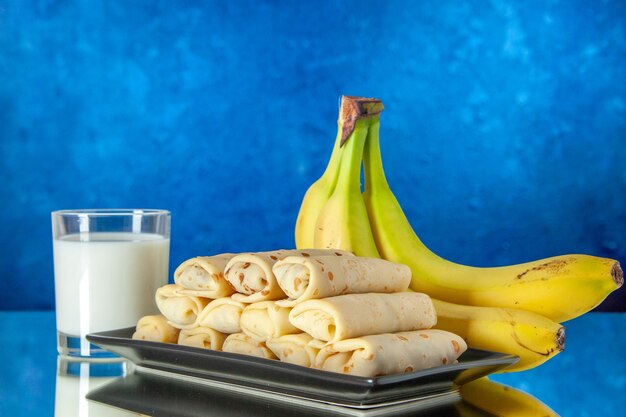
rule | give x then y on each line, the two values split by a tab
502	135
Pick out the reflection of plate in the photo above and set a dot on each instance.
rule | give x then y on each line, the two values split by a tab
152	393
277	377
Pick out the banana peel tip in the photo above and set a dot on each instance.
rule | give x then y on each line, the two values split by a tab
617	274
560	339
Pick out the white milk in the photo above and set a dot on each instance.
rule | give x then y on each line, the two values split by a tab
106	281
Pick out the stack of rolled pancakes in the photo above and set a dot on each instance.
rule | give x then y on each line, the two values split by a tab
324	309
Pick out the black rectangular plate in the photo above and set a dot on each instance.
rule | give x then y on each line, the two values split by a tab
312	384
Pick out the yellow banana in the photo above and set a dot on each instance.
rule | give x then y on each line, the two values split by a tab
315	198
532	337
559	288
503	401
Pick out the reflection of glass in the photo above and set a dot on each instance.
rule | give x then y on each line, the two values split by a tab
107	266
75	379
502	400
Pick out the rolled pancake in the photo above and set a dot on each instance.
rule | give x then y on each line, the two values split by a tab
265	320
386	354
155	329
353	315
202	337
294	348
251	274
304	278
180	310
203	276
222	315
245	345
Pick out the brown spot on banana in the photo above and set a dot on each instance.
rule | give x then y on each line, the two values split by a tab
559	340
528	348
552	267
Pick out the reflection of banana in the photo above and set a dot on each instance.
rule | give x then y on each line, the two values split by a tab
532	337
342	222
502	400
465	409
559	288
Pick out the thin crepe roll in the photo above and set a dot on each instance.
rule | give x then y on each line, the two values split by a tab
222	315
251	274
245	345
265	320
202	337
155	329
386	354
304	278
353	315
203	276
316	343
294	348
180	310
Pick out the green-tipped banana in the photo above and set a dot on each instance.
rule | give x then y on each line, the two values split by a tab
315	198
559	288
342	223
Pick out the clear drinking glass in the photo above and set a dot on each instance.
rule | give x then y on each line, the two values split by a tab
108	264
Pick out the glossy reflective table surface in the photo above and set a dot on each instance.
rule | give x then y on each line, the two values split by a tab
587	379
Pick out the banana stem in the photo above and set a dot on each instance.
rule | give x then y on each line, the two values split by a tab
354	109
352	155
373	171
351	111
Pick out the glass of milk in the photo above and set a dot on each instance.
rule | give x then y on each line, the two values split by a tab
108	264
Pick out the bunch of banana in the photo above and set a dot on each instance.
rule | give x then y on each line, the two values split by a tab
333	213
496	308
